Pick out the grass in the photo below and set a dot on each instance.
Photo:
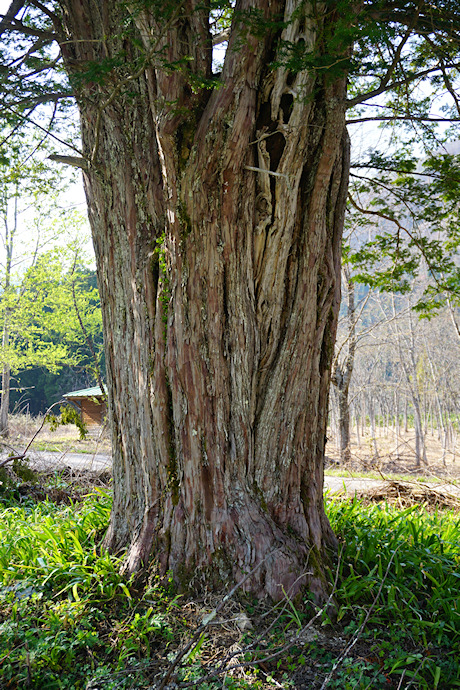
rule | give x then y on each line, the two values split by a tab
65	446
64	439
402	566
68	619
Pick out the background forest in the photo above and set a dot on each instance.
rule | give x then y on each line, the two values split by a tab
50	320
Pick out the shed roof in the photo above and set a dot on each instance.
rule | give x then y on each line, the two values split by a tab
94	392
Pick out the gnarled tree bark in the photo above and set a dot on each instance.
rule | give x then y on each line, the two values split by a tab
217	218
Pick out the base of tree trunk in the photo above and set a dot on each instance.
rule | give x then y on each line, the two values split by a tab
246	546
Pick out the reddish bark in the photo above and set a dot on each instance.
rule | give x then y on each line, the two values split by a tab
217	219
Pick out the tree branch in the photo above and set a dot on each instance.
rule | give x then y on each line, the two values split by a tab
40	6
431	20
44	137
15	7
17	62
25	118
16	25
449	87
33	102
74	161
395	84
397	55
402	228
391	118
412	173
43	68
21	456
221	37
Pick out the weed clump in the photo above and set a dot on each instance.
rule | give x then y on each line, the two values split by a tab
69	619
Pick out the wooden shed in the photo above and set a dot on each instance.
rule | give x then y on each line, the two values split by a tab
91	403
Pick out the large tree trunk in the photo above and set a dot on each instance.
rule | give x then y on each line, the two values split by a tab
217	219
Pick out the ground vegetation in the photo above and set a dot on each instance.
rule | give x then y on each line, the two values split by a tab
68	619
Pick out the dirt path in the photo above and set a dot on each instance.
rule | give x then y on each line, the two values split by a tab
44	460
350	485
